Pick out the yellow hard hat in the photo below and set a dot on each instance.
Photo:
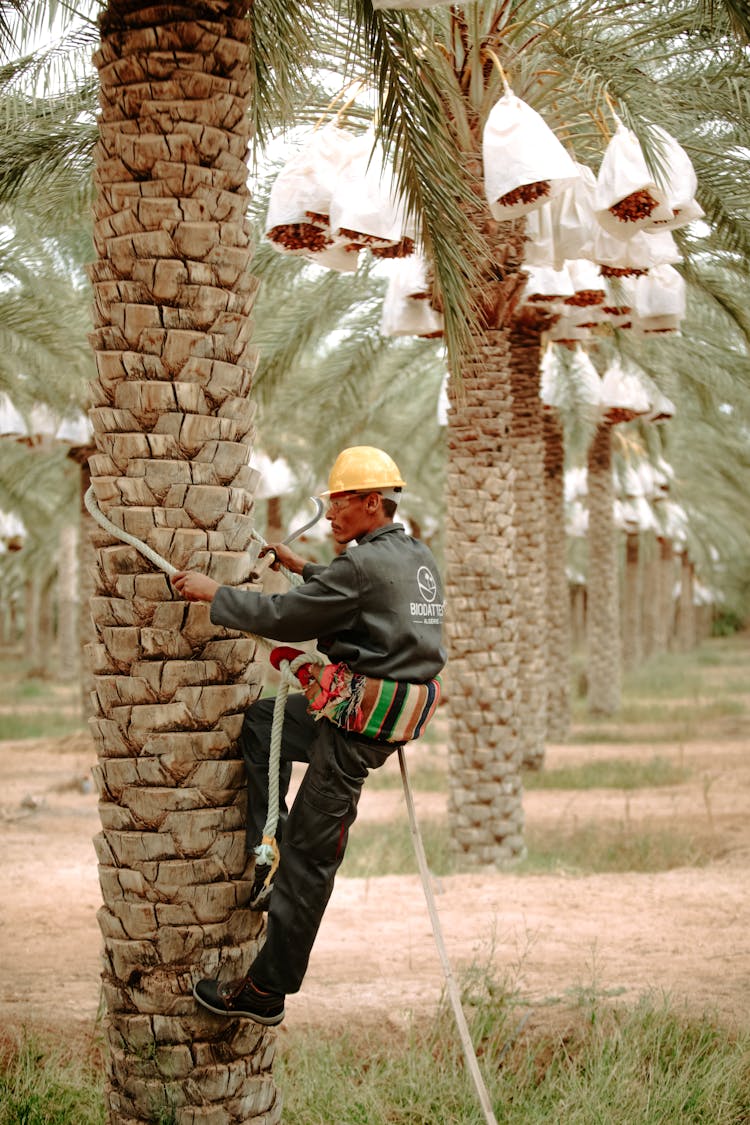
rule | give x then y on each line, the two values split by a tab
363	468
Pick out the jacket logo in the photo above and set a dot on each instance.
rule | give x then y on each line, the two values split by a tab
427	584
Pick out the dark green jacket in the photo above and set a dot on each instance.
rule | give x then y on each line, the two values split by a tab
378	607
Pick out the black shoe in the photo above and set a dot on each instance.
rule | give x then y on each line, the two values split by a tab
240	998
260	894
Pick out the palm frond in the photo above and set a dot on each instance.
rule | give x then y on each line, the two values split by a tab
735	11
414	127
282	50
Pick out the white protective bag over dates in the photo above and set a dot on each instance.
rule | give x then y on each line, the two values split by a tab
680	182
540	246
524	163
573	217
623	395
299	205
659	300
546	285
627	196
563	229
406	311
574	382
366	209
633	256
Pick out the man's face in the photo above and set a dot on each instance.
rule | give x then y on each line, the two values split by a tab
353	514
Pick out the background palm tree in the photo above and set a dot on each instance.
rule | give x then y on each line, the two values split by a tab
603	605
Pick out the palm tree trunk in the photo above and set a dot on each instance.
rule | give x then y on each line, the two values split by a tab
32	644
172	425
632	604
603	614
559	639
87	530
665	618
650	592
484	703
577	599
686	625
483	698
67	603
527	441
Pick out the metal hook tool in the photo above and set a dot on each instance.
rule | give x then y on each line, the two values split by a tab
270	556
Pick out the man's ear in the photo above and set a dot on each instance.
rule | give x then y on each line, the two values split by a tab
372	502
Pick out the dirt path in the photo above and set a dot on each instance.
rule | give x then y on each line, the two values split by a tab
685	932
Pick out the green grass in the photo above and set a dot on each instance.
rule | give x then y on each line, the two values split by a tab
422	778
16	682
36	708
609	1065
617	773
574	847
37	724
676	696
587	1062
48	1085
696	713
387	849
614	847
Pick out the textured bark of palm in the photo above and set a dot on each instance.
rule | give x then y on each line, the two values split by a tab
685	631
528	463
632	601
650	591
172	422
86	578
485	804
559	638
665	609
603	606
486	810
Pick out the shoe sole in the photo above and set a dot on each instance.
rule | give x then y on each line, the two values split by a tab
267	1021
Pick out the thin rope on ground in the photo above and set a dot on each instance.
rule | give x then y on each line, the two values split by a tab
450	982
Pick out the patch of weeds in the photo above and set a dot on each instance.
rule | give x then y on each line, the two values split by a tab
594	849
594	1061
387	849
579	849
693	714
422	778
38	724
617	773
673	675
610	735
44	1085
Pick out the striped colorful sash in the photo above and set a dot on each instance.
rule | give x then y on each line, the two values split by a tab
388	710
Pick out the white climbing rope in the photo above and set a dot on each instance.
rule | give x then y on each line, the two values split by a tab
267	852
96	513
153	556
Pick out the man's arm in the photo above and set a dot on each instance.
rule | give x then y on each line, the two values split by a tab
196	587
326	602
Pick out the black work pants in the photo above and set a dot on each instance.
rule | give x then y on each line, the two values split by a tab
313	833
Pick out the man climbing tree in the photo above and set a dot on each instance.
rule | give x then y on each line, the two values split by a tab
376	612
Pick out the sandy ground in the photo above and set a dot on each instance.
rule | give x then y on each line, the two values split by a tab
685	932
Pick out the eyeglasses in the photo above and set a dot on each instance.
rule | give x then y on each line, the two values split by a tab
341	501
